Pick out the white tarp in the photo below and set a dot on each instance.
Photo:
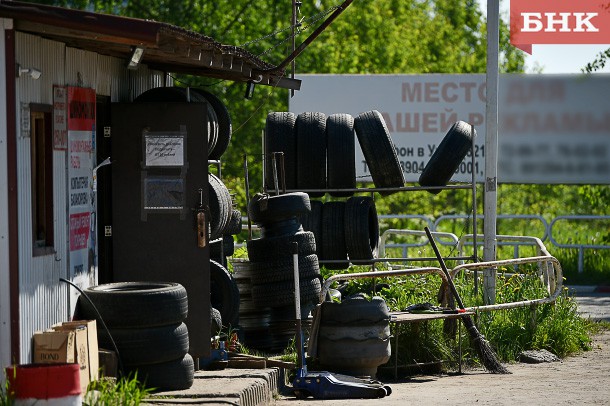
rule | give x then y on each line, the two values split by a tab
552	128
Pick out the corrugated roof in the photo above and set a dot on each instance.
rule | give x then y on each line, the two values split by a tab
166	47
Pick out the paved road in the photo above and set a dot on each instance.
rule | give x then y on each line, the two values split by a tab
592	302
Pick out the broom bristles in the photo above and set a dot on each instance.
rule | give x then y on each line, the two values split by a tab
483	348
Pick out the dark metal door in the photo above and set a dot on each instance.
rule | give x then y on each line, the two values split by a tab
159	182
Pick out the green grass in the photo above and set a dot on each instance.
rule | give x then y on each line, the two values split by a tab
5	394
126	391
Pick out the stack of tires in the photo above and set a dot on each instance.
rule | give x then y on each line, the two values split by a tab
344	231
319	152
225	220
146	321
271	262
354	336
254	328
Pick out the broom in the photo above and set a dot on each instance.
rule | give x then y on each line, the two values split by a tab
483	348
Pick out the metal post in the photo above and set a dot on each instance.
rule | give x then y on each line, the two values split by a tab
294	28
247	181
491	150
474	209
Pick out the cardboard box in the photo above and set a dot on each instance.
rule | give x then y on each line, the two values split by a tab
51	347
85	348
93	349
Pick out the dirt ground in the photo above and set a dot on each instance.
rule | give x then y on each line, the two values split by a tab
583	379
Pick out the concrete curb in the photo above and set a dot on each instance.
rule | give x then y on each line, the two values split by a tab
243	387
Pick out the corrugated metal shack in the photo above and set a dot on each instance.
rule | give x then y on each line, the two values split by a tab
46	55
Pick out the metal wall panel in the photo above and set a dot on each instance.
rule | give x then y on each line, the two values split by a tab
121	84
42	298
81	68
5	303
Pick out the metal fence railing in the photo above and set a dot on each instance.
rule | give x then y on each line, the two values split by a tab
537	227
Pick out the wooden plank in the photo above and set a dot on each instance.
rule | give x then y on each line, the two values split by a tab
405	317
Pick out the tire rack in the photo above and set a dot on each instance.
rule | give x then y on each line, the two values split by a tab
278	166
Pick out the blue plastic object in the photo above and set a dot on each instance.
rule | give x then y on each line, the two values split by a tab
326	385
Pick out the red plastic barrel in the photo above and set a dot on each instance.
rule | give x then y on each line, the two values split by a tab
46	384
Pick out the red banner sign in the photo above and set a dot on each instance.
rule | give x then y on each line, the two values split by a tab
559	22
79	231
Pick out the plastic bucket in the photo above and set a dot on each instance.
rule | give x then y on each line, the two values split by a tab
45	384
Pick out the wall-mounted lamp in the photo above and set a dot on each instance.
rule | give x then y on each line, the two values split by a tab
249	90
250	86
136	57
31	72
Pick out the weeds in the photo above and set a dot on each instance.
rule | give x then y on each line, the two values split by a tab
5	394
127	391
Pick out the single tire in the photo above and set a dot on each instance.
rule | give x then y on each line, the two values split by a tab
282	228
282	270
221	208
224	294
361	228
150	345
223	120
357	332
312	221
280	137
234	225
340	154
379	151
273	248
355	310
333	232
310	131
215	322
265	209
447	158
135	304
281	294
348	353
177	374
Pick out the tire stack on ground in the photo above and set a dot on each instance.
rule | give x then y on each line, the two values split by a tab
225	221
146	321
354	336
254	320
271	261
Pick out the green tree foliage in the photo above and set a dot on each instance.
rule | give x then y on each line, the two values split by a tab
598	63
